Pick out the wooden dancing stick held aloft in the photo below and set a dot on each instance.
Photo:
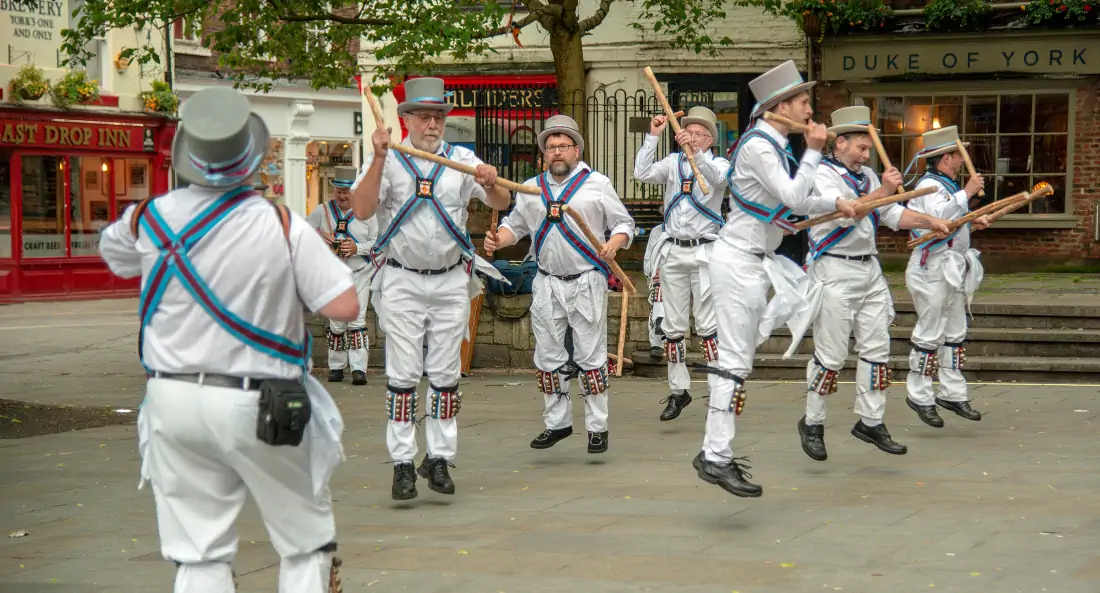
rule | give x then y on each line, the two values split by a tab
882	152
467	169
866	206
598	245
984	210
969	163
790	123
1042	190
672	121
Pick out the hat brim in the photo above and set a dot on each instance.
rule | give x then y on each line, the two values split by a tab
408	106
192	175
850	129
342	183
787	94
944	150
543	135
684	121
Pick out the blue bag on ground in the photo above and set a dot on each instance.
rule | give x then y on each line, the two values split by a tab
520	274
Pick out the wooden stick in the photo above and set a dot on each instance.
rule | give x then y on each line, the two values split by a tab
467	169
622	333
675	126
493	227
955	224
616	357
1043	191
866	206
790	123
882	152
598	245
969	163
467	351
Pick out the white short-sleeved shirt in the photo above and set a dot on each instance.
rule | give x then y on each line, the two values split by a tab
246	262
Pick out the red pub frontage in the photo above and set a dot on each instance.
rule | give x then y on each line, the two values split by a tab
63	177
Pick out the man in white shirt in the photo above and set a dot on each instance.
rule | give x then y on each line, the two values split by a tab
570	289
743	266
656	299
942	277
691	220
848	290
352	240
425	285
225	275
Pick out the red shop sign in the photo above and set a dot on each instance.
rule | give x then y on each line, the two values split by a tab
29	133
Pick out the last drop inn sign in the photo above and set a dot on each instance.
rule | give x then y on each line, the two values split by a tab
1061	52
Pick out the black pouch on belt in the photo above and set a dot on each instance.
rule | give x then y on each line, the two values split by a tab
284	412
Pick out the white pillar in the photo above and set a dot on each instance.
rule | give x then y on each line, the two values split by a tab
294	170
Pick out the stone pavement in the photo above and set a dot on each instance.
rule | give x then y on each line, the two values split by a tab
1003	505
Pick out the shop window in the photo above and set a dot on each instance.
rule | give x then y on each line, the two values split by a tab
43	207
1017	139
322	158
5	204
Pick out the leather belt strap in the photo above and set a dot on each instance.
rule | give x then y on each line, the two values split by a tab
689	242
213	380
567	277
394	263
861	258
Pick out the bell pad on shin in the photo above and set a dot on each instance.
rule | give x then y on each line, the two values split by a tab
882	376
356	339
595	381
737	402
337	342
710	347
927	362
444	404
824	382
401	403
958	355
549	383
675	350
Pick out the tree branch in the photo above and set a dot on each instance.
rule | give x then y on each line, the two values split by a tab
335	18
523	22
594	21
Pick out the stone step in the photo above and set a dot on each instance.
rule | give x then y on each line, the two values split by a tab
978	368
1014	315
980	341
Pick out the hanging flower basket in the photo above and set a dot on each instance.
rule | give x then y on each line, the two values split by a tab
811	26
161	99
29	84
75	88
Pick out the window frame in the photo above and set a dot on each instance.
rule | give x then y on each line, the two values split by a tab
860	93
187	45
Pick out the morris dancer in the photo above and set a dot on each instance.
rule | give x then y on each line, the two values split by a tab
225	276
768	183
352	240
848	289
942	277
656	299
571	287
425	286
692	221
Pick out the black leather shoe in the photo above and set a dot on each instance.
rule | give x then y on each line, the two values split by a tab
879	437
597	442
335	375
813	440
657	353
358	378
732	478
961	408
928	414
404	481
549	437
435	472
674	404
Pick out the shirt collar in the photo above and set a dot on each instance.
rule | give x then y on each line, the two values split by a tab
581	166
764	126
407	141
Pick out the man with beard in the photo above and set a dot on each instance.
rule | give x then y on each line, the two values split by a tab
351	240
691	220
424	288
768	184
942	276
571	287
848	290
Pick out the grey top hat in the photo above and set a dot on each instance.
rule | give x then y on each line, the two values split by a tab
561	124
941	141
851	119
219	143
702	116
777	85
424	93
344	177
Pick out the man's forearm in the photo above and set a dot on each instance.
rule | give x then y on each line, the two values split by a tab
911	219
498	197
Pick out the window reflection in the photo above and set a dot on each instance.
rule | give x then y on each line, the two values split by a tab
43	207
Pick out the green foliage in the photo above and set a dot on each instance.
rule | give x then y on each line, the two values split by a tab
685	23
1041	11
29	84
161	98
833	17
956	15
866	15
74	88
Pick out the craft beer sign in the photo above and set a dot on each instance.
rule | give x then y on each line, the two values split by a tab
1049	53
31	33
55	134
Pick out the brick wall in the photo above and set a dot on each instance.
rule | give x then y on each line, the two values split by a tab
1038	245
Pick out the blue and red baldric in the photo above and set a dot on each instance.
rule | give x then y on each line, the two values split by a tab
555	219
687	192
778	215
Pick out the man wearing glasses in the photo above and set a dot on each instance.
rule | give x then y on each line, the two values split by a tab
425	285
691	220
570	290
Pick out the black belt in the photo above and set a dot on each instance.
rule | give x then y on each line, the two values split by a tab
213	380
689	242
394	263
861	258
567	277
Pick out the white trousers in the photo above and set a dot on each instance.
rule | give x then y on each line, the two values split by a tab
941	323
656	312
740	286
579	304
683	294
418	307
855	297
348	343
204	459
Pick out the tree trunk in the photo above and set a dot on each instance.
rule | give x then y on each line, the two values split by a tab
565	45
